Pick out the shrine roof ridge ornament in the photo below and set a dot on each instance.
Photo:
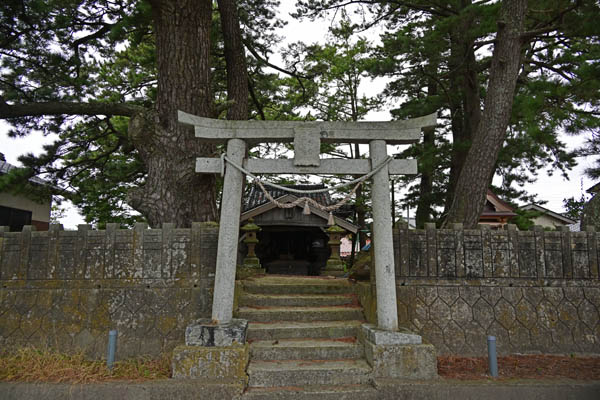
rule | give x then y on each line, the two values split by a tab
393	132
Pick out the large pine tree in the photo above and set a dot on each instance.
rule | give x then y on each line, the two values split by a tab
440	56
108	78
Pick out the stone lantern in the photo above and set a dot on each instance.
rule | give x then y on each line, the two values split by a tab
334	266
251	263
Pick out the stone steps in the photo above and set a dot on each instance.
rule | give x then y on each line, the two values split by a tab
303	339
295	329
306	349
306	300
296	285
305	372
313	392
297	313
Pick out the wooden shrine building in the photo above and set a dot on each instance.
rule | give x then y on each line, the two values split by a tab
496	212
291	242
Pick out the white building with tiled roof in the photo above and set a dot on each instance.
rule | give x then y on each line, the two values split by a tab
17	210
548	218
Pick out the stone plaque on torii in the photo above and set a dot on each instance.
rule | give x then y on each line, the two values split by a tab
307	137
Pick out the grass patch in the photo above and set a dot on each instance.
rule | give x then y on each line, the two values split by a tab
36	365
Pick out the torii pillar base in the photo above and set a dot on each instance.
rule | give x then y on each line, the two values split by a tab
216	348
217	353
399	354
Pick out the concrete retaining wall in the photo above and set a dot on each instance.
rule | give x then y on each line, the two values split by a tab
536	291
525	316
67	289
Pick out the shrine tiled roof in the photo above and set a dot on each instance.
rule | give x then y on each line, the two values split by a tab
256	197
6	167
595	188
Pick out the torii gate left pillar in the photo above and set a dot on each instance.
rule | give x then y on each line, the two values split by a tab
306	137
229	227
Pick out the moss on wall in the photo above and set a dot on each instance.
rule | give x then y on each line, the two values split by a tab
535	291
67	289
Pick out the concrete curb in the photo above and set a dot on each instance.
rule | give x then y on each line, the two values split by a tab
386	389
158	390
489	390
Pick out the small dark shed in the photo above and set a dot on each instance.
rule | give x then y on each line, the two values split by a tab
291	242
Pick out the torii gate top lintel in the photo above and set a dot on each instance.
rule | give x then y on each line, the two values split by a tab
393	132
238	134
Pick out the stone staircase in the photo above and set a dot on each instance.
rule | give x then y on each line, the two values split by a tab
303	339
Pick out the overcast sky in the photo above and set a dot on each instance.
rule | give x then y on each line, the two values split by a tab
551	188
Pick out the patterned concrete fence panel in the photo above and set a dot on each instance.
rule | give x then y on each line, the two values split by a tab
535	291
67	289
483	253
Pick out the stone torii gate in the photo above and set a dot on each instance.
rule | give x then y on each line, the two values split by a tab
306	137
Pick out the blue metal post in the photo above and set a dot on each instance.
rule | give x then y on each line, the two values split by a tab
112	348
492	359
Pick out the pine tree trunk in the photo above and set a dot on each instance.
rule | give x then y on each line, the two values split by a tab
478	171
173	191
427	165
361	212
466	103
424	206
235	59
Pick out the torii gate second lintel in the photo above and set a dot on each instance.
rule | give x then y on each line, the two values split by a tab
307	137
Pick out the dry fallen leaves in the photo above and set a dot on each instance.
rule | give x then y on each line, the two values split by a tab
36	365
534	366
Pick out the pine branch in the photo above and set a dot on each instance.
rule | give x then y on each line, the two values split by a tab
96	35
551	25
526	36
65	108
255	100
543	65
294	74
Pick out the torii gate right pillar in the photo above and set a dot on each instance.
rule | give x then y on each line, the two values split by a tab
387	312
392	353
